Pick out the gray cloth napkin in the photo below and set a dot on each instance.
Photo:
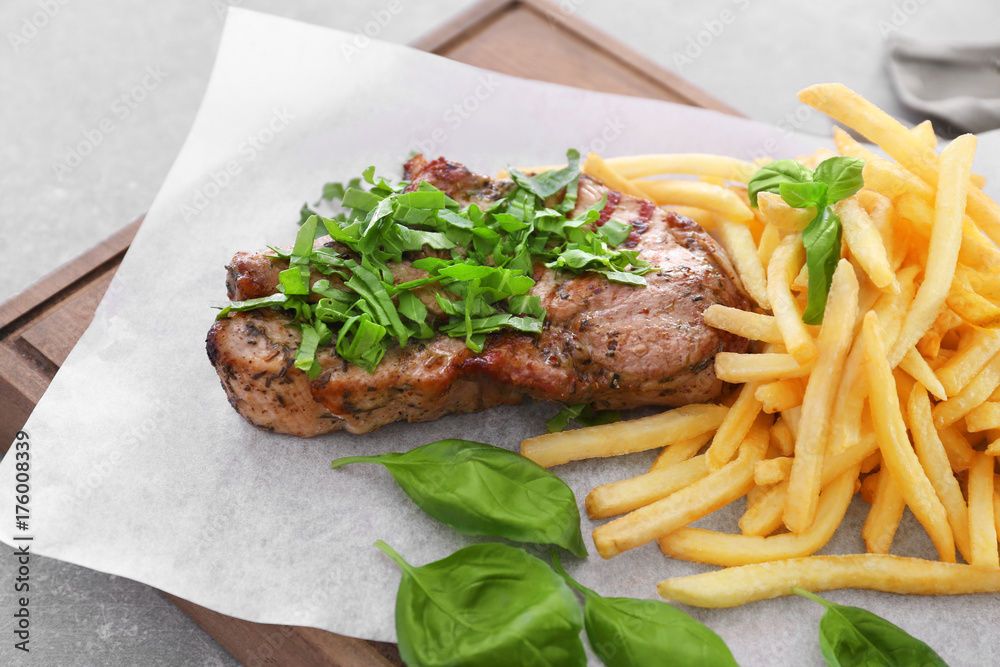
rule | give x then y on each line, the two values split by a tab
959	84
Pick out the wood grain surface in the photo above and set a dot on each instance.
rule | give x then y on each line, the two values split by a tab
534	39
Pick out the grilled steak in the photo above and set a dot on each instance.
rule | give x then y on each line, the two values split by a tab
608	344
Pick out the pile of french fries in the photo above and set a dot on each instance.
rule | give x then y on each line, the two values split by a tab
896	396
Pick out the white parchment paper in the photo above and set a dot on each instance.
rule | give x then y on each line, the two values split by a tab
141	469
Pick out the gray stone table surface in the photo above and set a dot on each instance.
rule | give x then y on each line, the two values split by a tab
96	98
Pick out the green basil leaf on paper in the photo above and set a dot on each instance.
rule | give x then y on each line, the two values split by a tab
486	605
626	632
770	177
479	489
853	636
583	414
842	175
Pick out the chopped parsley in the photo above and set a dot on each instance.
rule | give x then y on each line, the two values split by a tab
481	262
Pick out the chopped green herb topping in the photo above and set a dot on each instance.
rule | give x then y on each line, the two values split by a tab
481	260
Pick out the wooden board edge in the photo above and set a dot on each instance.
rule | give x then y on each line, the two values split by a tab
617	50
52	288
260	643
439	38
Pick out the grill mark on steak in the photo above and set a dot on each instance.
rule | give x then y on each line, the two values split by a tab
610	345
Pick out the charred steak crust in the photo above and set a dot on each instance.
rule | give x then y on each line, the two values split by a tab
611	345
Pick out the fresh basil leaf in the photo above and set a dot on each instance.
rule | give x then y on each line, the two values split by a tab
853	636
614	232
583	414
548	183
312	338
842	175
626	632
359	342
821	239
769	177
305	213
277	299
487	605
803	195
458	483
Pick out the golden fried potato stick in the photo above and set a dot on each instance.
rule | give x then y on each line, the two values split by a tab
769	240
865	243
934	460
624	437
631	494
984	417
742	250
982	527
772	471
781	395
851	147
698	164
734	586
680	451
945	241
708	494
737	367
595	166
970	306
835	337
918	369
734	427
972	395
776	211
716	198
705	546
883	517
972	358
785	263
754	326
897	453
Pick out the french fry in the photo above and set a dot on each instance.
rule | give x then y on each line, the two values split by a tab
865	244
834	341
960	452
772	471
764	516
983	417
973	394
699	164
737	367
777	212
704	218
780	395
925	132
709	493
897	453
783	437
595	166
785	263
970	306
739	245
705	546
964	366
716	198
917	368
680	451
734	427
754	326
880	572
769	240
981	524
884	515
977	250
624	437
946	239
849	146
934	459
631	494
892	180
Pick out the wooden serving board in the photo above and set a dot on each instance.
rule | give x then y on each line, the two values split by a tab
535	39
